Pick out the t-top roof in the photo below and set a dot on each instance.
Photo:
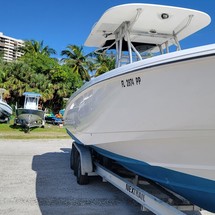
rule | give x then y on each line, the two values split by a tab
31	94
152	25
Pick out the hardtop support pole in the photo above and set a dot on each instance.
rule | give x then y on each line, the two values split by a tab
128	42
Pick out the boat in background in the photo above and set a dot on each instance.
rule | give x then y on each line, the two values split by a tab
55	119
5	109
153	115
30	115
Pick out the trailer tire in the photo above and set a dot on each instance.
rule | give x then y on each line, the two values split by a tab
27	129
81	179
75	156
72	157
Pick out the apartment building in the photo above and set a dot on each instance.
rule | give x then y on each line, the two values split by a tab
9	46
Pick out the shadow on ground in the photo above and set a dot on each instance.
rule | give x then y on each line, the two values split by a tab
58	193
23	128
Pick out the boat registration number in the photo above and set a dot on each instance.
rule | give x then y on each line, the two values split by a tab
130	82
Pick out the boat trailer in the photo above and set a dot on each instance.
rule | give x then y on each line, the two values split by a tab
159	200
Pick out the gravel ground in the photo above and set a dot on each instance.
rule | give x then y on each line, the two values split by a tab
35	179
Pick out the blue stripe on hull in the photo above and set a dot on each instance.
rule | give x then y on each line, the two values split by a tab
197	190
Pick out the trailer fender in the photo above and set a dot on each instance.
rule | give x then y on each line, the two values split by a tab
85	158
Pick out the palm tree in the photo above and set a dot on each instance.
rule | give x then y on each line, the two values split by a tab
34	47
76	60
104	63
2	65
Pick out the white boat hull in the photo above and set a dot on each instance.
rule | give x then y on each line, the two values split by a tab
160	112
30	117
5	110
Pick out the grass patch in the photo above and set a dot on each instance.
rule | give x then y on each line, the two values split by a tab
9	131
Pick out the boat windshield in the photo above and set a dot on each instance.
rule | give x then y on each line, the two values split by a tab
31	103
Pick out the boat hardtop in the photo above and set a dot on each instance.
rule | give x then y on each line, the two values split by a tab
145	26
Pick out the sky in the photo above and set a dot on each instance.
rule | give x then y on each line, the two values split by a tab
62	22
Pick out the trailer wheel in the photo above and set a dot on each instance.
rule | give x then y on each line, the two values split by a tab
27	129
81	179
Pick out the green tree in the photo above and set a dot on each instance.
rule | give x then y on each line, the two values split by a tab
34	47
65	82
102	63
105	63
14	81
37	71
2	65
75	58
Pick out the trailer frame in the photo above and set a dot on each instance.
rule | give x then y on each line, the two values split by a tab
84	166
